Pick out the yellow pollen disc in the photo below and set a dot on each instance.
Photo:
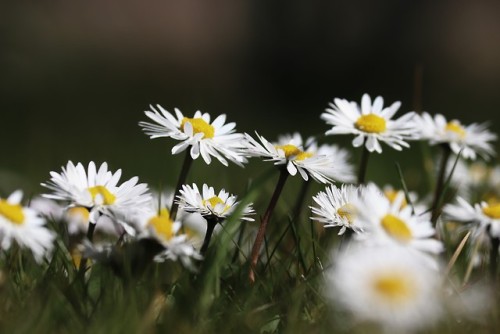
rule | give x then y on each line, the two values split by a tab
213	201
394	288
199	126
456	128
81	213
396	228
492	210
347	211
163	225
108	197
371	123
391	196
303	155
290	150
13	212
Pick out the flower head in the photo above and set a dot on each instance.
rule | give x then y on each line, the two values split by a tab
324	164
24	226
209	204
385	285
208	139
98	191
335	207
370	123
471	140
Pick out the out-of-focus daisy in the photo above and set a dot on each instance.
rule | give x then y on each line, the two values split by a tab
335	207
471	140
98	191
322	165
370	123
208	139
388	223
385	285
24	226
210	205
485	214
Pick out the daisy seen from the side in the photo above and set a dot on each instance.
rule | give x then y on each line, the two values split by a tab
469	141
207	139
370	123
25	227
97	191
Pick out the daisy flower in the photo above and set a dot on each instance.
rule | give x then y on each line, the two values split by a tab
486	215
98	191
289	151
471	140
385	285
335	207
389	223
25	227
208	139
210	205
370	123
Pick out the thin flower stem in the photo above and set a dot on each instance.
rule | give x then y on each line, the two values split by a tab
83	261
495	243
435	208
211	223
186	165
363	166
263	224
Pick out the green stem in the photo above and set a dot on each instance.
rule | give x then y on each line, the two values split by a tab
495	243
435	208
363	165
83	261
263	224
211	223
186	165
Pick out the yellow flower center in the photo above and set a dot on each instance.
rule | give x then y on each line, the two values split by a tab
107	197
347	211
395	288
12	212
371	123
199	126
293	151
455	127
396	228
391	195
213	201
79	213
492	211
162	224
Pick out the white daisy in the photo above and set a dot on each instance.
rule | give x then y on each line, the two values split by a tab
336	208
389	223
486	215
205	138
289	151
157	224
370	123
25	227
385	285
98	191
470	140
210	205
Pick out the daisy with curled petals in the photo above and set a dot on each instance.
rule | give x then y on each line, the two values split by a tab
385	285
335	208
98	192
289	151
24	226
208	139
469	141
215	208
370	123
391	223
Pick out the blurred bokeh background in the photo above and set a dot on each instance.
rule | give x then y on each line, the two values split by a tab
76	76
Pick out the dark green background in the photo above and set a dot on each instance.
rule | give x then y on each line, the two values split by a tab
76	76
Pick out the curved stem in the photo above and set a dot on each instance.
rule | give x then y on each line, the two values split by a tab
186	165
211	223
363	165
263	224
